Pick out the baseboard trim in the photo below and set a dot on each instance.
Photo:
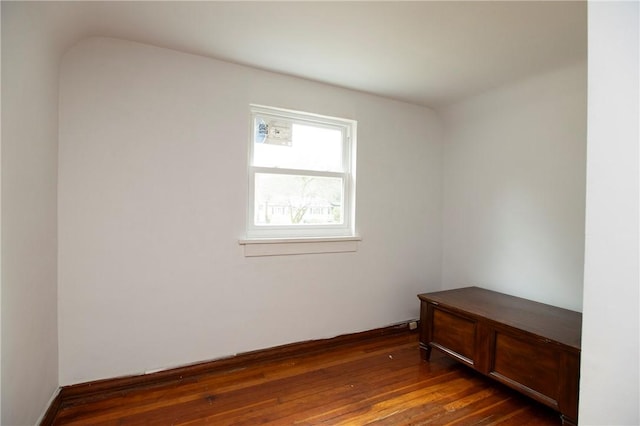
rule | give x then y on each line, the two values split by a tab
54	405
90	391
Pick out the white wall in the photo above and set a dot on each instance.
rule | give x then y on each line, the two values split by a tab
0	232
513	197
29	236
152	197
609	378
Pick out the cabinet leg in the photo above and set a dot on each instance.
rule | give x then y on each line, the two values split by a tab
567	421
425	352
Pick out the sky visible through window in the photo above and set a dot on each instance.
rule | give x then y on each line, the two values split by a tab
312	148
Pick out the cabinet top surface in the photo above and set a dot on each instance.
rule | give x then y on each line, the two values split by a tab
550	322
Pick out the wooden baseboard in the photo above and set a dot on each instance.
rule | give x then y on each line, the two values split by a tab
99	389
51	412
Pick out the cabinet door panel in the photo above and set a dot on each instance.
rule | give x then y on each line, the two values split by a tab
533	364
454	332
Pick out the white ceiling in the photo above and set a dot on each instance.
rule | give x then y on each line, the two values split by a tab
429	53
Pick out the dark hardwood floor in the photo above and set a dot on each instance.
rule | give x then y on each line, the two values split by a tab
379	381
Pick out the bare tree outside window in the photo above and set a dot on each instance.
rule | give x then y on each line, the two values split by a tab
305	199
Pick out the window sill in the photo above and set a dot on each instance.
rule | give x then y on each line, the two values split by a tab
293	246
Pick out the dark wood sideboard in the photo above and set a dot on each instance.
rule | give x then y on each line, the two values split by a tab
529	346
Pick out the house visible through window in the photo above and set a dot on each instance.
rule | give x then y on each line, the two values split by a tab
301	175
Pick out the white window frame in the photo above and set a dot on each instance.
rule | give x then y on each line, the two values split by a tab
304	232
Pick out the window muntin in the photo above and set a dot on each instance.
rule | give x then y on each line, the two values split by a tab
300	175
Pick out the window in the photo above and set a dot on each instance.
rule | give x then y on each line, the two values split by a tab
301	175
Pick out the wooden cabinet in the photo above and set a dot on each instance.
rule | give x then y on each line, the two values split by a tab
529	346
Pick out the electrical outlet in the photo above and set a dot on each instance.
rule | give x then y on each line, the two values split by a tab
413	325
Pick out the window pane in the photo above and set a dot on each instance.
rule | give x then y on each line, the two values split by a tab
284	144
298	200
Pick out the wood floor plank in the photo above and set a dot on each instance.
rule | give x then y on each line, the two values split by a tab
431	410
320	385
378	381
